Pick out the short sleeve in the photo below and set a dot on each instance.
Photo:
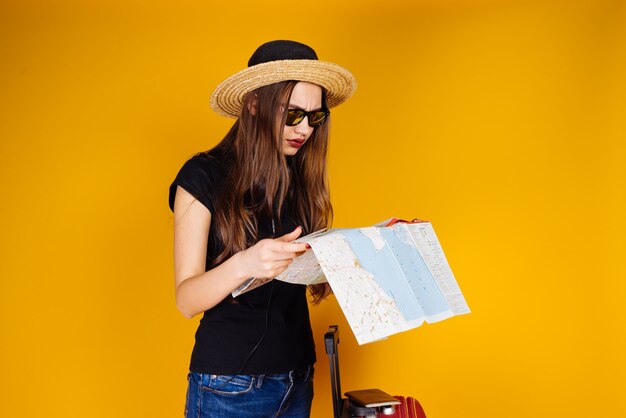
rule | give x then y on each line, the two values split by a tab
200	176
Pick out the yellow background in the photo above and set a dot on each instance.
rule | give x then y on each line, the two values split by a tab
502	122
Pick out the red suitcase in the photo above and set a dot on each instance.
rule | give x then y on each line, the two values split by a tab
370	403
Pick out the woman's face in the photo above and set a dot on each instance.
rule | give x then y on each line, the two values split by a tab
305	96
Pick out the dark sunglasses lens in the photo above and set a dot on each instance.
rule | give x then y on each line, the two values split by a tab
317	118
294	117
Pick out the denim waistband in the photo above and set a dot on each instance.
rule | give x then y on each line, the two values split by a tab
296	374
293	376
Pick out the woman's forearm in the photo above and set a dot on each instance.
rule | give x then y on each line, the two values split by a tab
199	293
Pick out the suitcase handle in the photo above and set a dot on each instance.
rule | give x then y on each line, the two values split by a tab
331	339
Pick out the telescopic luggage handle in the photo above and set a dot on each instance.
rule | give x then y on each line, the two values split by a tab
331	339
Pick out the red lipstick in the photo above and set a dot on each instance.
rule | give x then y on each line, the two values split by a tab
296	142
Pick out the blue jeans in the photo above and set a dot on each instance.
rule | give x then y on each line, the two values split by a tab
285	395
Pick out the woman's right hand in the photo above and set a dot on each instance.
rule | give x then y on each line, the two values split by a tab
270	257
198	290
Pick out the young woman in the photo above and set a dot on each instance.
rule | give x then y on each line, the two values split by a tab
237	210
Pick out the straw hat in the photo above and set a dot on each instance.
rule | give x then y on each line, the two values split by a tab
281	61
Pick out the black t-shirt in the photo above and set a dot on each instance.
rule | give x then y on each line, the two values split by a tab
229	331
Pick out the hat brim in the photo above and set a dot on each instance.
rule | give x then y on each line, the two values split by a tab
339	83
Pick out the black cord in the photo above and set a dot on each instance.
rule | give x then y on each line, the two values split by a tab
267	322
258	344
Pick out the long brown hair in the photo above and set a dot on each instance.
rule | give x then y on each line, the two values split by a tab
262	178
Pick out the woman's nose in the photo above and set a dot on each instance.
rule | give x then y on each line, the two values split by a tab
303	127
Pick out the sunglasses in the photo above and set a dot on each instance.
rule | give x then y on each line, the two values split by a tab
315	117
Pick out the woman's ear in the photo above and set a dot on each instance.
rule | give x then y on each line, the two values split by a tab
252	105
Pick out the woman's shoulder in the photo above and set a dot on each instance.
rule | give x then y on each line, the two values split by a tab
202	175
212	165
208	161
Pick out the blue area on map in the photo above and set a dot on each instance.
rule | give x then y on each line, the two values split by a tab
383	266
417	274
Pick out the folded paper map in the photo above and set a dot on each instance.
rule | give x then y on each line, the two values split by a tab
387	278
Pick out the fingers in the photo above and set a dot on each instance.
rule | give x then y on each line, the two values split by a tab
289	245
272	249
273	269
285	242
292	235
293	247
275	248
270	257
